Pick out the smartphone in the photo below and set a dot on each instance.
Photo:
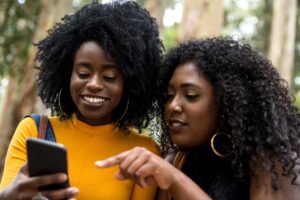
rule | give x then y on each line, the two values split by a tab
45	157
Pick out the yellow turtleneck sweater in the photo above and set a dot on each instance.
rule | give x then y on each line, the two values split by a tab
85	145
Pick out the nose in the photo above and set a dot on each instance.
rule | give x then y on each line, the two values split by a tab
95	83
174	105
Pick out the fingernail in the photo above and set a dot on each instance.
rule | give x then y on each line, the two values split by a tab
73	190
100	163
63	177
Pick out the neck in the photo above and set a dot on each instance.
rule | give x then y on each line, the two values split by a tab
92	122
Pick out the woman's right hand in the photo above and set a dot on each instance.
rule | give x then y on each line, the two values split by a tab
143	167
25	187
146	168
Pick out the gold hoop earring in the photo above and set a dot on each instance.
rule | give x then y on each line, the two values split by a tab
125	111
224	143
59	104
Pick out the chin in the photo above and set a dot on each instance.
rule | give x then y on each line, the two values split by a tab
181	142
182	145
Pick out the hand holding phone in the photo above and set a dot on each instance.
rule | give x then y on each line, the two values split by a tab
46	157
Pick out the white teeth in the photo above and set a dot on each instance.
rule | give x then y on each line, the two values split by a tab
93	99
176	124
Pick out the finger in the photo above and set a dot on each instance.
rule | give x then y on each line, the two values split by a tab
143	159
149	180
24	169
158	172
130	162
120	176
145	175
38	181
66	193
112	161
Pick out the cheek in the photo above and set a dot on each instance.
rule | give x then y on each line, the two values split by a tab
75	87
72	84
117	90
204	123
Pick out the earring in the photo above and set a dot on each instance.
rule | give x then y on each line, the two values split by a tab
59	104
221	144
125	111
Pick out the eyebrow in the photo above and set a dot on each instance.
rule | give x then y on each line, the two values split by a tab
87	64
109	65
187	85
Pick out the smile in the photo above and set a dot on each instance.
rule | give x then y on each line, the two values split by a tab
176	125
94	100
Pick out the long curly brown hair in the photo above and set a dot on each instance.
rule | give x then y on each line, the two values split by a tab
255	106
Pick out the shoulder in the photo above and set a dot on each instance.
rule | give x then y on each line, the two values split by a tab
262	187
144	140
27	126
55	119
25	129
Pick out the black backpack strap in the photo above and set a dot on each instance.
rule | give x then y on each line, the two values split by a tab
44	127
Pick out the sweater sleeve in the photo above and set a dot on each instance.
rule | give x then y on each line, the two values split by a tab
16	153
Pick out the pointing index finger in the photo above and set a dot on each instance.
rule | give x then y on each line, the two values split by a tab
112	161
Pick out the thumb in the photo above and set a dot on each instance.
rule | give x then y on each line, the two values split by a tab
24	169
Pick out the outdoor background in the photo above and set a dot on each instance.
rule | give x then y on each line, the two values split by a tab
270	26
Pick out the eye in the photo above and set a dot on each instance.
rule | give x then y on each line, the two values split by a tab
109	78
111	74
83	74
192	96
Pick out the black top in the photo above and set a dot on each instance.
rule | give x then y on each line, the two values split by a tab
215	176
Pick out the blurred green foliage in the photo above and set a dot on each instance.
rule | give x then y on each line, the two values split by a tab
18	23
257	14
17	26
296	70
169	36
297	99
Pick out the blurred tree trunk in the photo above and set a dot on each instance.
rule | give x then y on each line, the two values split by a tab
282	39
26	100
201	18
157	9
6	109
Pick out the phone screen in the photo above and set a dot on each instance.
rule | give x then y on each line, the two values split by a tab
46	157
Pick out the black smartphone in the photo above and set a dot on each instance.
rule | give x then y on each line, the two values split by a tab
46	157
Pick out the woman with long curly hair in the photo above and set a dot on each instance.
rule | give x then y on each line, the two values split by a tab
97	71
233	122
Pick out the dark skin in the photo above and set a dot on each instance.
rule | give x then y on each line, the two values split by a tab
96	84
25	187
96	88
191	97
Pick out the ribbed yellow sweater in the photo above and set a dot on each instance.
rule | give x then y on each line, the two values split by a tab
85	144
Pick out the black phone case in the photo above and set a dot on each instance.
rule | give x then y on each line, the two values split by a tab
46	157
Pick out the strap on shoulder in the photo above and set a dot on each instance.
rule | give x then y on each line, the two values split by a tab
177	159
45	130
43	126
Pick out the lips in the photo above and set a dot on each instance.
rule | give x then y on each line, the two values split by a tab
176	125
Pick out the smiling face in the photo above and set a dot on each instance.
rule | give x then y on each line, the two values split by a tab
96	84
191	110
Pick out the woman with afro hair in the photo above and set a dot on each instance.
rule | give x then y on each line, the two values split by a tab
232	121
97	73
